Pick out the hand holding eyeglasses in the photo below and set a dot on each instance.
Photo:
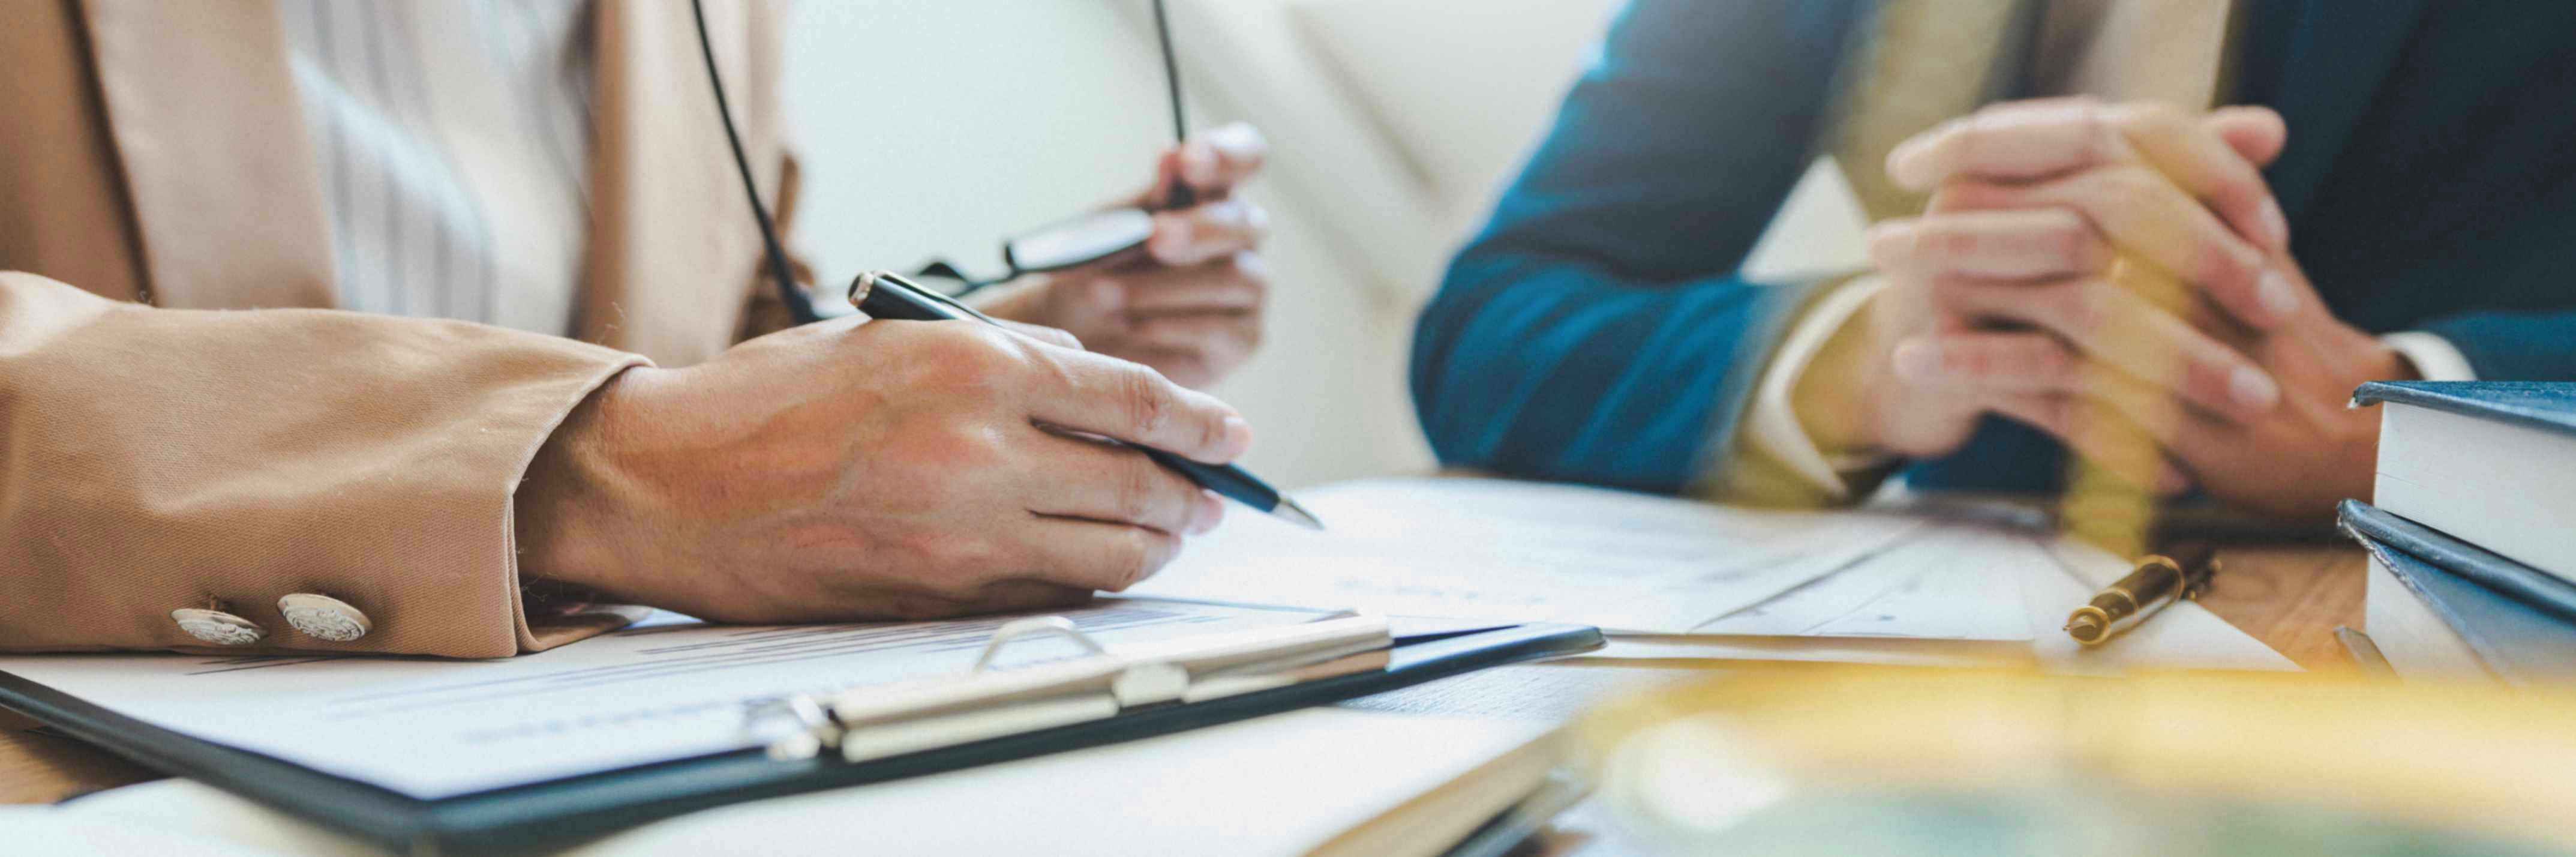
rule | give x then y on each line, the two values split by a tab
1188	302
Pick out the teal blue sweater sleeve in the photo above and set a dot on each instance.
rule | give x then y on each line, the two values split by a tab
1596	330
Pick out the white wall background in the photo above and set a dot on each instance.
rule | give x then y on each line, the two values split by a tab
932	127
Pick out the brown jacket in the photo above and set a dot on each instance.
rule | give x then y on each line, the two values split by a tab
187	421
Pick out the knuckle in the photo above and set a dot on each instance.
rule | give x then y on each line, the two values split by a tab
2149	118
1149	406
2079	308
2229	267
971	351
1970	362
2072	240
2130	187
1972	196
1949	241
1130	560
1891	242
1943	295
2051	362
2063	414
1137	484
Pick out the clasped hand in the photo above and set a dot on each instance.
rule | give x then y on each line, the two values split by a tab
2119	277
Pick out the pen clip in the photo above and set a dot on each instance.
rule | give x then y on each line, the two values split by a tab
866	284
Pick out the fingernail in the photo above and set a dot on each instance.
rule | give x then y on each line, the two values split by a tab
1173	235
1198	163
1210	512
1108	295
1238	436
2276	228
1917	360
2253	389
2275	294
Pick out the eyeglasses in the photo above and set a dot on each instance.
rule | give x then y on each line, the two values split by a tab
1065	244
1083	239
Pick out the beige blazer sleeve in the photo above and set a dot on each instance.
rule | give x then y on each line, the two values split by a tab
155	459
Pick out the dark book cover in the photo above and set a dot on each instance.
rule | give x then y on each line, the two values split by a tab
2547	406
2522	641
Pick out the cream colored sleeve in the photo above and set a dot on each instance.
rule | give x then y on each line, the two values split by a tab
2435	358
1771	426
159	459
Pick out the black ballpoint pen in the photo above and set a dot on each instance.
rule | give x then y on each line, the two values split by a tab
885	295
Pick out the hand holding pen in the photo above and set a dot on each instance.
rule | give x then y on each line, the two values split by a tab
887	296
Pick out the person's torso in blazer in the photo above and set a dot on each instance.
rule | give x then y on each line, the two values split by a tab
156	154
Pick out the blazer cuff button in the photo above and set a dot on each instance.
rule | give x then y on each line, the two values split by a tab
323	617
217	627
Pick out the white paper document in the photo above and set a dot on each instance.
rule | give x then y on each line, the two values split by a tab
2038	577
1949	582
668	688
1518	552
1680	579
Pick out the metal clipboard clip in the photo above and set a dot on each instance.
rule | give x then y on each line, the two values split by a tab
879	721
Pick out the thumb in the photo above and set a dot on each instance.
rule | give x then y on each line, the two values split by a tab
2256	133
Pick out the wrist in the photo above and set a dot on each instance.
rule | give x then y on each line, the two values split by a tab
1835	399
566	516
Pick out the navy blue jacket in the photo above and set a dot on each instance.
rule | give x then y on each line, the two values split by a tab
1597	329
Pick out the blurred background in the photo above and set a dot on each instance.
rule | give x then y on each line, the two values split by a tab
934	127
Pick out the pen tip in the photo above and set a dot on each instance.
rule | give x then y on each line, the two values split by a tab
1297	514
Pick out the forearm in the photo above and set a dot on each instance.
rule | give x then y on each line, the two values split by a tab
1555	369
162	459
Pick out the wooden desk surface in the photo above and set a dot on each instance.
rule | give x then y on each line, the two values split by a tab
2291	598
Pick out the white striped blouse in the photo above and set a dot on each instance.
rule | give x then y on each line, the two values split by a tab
452	138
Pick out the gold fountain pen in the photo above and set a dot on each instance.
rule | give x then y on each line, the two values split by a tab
2159	581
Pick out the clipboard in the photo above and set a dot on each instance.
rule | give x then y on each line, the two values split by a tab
565	812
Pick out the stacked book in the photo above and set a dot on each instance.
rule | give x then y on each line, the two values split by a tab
2473	538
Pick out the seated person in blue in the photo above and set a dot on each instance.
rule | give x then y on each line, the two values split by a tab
2071	251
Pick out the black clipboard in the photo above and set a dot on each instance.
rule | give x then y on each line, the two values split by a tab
564	812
